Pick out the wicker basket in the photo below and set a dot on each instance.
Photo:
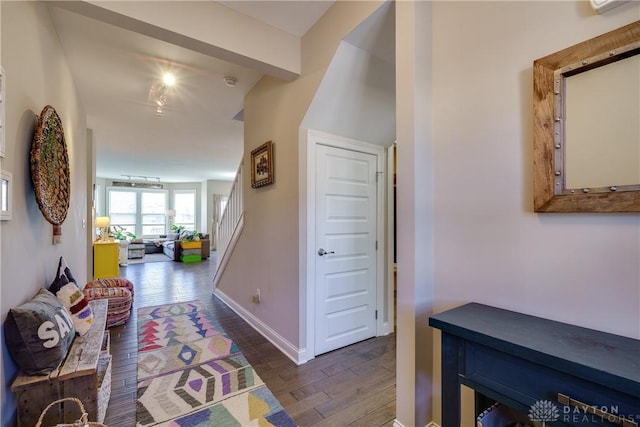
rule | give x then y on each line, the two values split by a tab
502	416
82	422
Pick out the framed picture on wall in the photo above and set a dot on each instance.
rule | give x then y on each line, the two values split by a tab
6	195
262	165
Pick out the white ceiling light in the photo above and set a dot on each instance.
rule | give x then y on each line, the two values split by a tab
230	81
159	95
169	79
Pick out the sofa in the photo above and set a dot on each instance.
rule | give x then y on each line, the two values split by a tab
172	248
153	246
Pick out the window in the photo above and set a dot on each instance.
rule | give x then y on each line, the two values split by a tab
140	211
153	210
123	209
97	202
184	202
223	206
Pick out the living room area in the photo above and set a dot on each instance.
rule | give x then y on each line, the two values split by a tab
157	221
164	248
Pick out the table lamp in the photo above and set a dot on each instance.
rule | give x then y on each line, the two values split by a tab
102	222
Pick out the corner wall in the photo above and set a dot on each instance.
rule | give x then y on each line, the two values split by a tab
266	255
37	75
414	211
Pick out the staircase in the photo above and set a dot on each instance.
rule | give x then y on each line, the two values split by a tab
230	225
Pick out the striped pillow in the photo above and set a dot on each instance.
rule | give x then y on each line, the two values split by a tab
73	300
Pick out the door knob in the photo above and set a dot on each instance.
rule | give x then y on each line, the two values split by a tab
322	252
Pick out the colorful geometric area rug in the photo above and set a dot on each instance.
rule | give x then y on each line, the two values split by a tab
191	374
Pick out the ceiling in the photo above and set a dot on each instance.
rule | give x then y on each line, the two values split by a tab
196	138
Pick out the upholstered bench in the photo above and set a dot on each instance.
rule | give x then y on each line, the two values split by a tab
119	294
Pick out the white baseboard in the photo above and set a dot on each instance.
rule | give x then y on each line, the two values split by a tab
397	423
289	350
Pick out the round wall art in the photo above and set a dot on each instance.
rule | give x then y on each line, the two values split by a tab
50	169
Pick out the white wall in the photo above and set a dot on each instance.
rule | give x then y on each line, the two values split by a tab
356	98
37	75
489	245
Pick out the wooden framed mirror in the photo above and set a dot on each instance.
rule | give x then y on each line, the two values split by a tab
586	137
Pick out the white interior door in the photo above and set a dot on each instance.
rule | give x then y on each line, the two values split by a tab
346	247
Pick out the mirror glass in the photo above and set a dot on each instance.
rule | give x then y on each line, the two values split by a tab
586	125
602	126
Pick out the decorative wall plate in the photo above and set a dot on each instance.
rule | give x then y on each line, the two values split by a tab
50	168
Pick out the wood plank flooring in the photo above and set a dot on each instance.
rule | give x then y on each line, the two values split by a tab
353	386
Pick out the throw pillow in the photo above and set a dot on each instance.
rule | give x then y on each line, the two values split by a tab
65	288
39	333
74	300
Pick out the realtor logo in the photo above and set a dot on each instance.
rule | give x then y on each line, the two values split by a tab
577	412
544	410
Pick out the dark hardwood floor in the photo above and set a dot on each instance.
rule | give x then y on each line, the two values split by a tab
353	386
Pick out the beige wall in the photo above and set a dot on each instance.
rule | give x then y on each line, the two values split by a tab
37	75
489	245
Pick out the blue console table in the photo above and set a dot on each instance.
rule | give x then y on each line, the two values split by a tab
591	377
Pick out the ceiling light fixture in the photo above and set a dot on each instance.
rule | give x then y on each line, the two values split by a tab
159	96
169	79
230	81
159	93
142	178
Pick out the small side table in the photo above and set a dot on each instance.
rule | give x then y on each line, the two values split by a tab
136	250
521	360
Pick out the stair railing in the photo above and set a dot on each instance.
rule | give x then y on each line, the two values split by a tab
230	225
